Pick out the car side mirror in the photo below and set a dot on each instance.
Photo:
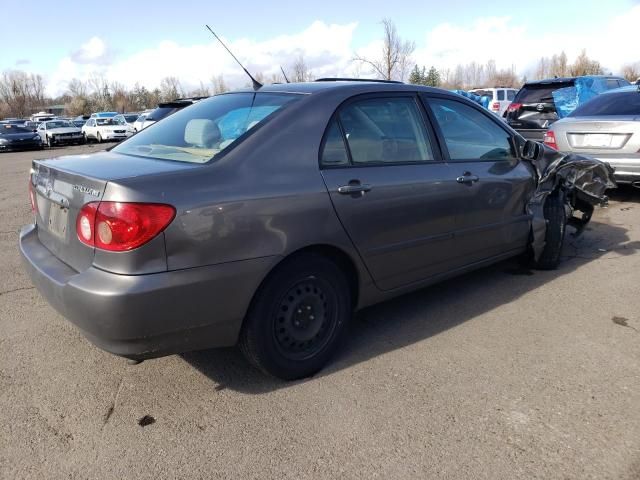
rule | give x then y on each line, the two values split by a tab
531	150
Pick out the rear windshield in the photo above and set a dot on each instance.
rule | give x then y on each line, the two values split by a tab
539	93
199	132
161	112
627	103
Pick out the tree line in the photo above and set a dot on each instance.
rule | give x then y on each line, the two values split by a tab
22	93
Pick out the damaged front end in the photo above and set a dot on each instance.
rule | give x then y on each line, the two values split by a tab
581	180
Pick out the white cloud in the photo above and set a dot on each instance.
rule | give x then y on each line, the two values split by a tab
328	50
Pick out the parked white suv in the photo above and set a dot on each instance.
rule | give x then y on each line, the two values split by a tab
501	98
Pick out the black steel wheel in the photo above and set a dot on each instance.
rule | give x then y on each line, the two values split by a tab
296	319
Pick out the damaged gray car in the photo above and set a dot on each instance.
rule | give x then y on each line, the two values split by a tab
266	218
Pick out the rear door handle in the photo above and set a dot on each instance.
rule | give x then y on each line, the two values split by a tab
467	177
354	188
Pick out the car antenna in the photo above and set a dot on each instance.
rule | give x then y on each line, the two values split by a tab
285	75
256	84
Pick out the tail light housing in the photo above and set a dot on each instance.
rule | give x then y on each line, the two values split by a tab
549	140
495	106
514	107
122	226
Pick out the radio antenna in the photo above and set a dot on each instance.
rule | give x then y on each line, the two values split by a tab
284	74
256	84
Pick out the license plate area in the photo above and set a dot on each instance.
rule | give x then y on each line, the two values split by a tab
596	140
57	222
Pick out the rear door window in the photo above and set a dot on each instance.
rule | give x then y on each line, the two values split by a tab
511	94
469	134
385	130
334	151
500	94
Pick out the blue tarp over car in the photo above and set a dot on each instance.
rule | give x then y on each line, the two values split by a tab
585	88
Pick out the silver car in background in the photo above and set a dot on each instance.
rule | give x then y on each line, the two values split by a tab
607	128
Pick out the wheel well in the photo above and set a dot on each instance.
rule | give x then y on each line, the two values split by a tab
336	255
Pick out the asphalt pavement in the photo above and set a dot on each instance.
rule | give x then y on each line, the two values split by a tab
504	373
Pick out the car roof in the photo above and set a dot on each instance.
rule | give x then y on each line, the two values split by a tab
548	81
625	89
355	86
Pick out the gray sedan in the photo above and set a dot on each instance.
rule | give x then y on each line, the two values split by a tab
266	217
607	128
58	132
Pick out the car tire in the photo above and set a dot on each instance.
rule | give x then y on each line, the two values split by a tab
555	214
99	138
296	319
49	142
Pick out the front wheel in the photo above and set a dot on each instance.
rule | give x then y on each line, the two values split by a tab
99	138
49	142
555	214
297	317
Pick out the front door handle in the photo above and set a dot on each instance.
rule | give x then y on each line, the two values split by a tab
352	188
467	178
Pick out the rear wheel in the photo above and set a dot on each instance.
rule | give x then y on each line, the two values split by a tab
556	216
296	320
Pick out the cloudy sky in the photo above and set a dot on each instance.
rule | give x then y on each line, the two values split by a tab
134	41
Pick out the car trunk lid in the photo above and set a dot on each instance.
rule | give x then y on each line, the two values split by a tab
619	134
62	186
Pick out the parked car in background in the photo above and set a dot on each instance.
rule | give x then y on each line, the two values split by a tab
607	128
500	98
267	217
14	137
59	132
533	109
139	123
103	128
126	120
31	125
80	120
167	108
13	121
42	117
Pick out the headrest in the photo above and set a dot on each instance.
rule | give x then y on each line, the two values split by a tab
201	132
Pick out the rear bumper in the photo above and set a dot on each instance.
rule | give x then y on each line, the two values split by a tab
146	316
627	170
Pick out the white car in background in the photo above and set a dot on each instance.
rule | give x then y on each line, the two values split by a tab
126	120
101	129
501	98
139	123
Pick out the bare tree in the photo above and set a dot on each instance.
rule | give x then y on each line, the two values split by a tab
395	57
301	72
171	88
631	72
219	85
585	66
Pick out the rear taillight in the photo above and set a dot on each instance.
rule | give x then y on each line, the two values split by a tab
32	196
514	107
119	226
495	106
549	140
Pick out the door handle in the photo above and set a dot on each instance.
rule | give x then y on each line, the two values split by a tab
467	178
352	188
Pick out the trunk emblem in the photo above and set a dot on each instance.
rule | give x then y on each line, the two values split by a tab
540	107
87	190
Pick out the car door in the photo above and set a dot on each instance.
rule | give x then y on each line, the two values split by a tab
395	197
91	128
493	220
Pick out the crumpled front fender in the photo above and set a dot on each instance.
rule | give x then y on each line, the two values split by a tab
582	179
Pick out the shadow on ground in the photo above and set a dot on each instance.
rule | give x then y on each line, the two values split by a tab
416	316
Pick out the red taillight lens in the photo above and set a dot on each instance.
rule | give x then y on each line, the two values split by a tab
495	106
550	140
119	226
514	107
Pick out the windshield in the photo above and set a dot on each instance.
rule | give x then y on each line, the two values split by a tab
105	121
59	124
161	112
627	103
198	133
11	128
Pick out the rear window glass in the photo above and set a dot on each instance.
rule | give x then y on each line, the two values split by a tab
539	93
511	94
627	103
199	132
500	94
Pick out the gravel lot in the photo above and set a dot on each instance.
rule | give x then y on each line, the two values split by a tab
504	373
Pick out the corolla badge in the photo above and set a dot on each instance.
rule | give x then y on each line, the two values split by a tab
87	190
540	107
